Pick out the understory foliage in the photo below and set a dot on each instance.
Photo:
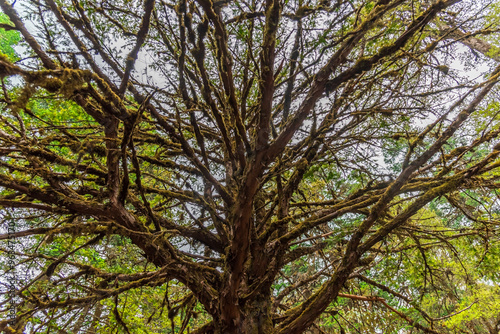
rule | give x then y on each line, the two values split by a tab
201	166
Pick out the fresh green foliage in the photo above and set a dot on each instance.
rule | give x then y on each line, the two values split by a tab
8	40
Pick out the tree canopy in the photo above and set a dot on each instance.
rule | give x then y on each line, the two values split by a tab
200	166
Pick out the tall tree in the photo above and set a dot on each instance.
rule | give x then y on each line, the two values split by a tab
252	166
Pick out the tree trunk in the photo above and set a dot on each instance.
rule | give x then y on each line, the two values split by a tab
255	318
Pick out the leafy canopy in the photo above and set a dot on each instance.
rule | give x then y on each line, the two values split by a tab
250	166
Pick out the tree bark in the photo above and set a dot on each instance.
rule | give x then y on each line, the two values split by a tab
254	317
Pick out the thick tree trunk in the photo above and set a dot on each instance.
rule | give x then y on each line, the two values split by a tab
257	318
254	318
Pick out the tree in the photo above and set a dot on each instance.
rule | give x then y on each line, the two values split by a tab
252	167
